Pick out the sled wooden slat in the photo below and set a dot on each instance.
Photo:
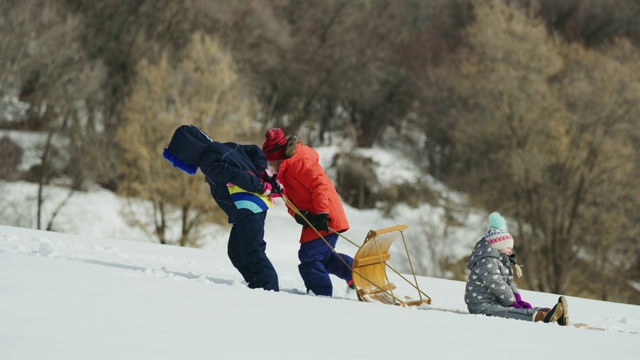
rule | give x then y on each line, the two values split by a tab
376	289
381	297
370	260
369	268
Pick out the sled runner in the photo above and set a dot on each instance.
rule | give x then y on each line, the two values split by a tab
370	265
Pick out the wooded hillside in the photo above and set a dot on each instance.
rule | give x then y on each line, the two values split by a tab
531	107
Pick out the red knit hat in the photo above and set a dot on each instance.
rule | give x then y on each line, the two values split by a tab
275	144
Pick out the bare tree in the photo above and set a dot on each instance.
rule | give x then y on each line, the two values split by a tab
542	126
46	64
601	135
202	89
592	23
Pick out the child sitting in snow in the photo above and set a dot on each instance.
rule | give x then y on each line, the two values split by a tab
490	288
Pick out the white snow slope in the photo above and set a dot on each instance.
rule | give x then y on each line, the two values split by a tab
65	296
100	289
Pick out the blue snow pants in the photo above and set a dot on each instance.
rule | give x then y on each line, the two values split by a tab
246	250
317	261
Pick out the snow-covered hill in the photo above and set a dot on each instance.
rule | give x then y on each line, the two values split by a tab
99	213
65	296
101	289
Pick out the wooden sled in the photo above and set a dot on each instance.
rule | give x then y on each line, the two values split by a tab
370	265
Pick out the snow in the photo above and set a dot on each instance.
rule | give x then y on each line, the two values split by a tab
32	144
106	292
98	213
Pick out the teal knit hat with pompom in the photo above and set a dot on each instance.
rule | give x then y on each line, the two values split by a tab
497	235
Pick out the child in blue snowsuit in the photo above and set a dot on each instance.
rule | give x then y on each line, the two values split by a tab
233	174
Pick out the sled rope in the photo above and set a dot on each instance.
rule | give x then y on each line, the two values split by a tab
390	293
297	211
415	279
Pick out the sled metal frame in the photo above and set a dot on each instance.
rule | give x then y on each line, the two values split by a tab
369	269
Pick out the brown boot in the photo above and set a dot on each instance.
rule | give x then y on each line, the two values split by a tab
556	312
541	314
564	318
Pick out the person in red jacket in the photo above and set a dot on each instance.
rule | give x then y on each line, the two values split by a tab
311	191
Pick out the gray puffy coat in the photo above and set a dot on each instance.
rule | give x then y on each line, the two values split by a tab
491	277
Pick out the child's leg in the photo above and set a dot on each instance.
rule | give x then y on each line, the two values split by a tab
313	272
235	251
339	265
247	252
493	309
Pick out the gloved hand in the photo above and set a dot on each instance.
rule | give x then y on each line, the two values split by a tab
277	185
521	304
320	221
267	188
272	178
300	219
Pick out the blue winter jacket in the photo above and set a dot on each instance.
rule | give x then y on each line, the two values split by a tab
232	170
